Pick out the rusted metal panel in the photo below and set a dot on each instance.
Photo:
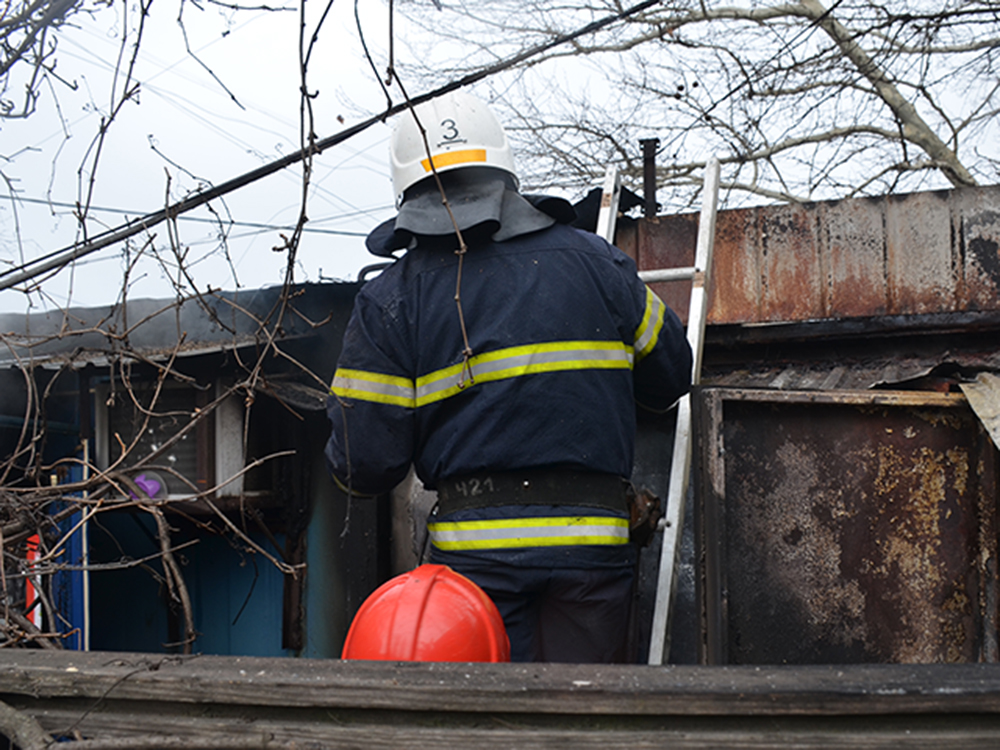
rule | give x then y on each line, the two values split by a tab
979	246
735	293
626	238
920	264
853	242
848	527
792	285
923	253
669	242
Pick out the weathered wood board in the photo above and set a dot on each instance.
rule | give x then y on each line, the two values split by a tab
142	700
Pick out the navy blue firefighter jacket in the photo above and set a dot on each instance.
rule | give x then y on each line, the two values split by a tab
565	341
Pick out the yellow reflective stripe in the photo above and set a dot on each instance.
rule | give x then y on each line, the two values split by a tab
559	541
648	331
527	522
525	360
558	531
502	364
373	386
449	158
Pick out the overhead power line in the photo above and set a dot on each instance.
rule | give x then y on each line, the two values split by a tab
205	219
67	255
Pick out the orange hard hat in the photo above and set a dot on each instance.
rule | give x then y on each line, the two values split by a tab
431	613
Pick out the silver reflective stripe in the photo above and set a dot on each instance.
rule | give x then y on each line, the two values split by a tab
501	364
525	360
649	329
373	386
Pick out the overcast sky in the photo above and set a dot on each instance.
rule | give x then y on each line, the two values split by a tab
187	130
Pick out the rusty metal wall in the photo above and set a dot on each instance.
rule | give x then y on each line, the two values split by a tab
846	527
921	253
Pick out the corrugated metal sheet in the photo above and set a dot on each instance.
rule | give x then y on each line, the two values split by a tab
930	371
984	398
917	254
157	329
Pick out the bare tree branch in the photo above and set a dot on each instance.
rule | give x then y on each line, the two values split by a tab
915	128
22	729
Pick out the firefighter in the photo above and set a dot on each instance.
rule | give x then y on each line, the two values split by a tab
508	376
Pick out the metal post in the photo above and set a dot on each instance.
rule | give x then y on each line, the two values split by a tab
86	435
607	217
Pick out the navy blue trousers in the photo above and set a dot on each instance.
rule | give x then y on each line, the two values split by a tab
560	614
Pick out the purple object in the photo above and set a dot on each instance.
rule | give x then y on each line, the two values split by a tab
150	484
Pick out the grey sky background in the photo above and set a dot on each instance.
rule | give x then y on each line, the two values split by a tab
204	119
186	130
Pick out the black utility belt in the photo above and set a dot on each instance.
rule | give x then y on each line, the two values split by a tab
533	487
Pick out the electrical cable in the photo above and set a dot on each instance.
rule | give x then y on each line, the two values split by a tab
60	258
205	220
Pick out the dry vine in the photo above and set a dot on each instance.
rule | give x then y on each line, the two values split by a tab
47	503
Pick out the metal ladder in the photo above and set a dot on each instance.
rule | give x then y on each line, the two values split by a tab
680	466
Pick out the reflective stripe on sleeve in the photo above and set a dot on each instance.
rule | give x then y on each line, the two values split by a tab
648	331
558	531
525	360
373	386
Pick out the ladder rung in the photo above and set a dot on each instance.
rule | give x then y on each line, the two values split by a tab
668	274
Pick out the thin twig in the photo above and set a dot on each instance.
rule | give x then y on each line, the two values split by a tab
174	578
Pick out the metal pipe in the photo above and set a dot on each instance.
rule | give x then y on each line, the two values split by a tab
649	146
668	274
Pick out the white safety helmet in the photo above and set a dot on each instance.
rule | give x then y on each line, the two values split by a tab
461	132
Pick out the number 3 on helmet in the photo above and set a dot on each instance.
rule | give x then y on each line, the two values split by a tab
461	132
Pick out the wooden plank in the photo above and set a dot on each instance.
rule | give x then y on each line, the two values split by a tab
848	397
569	689
161	727
984	397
